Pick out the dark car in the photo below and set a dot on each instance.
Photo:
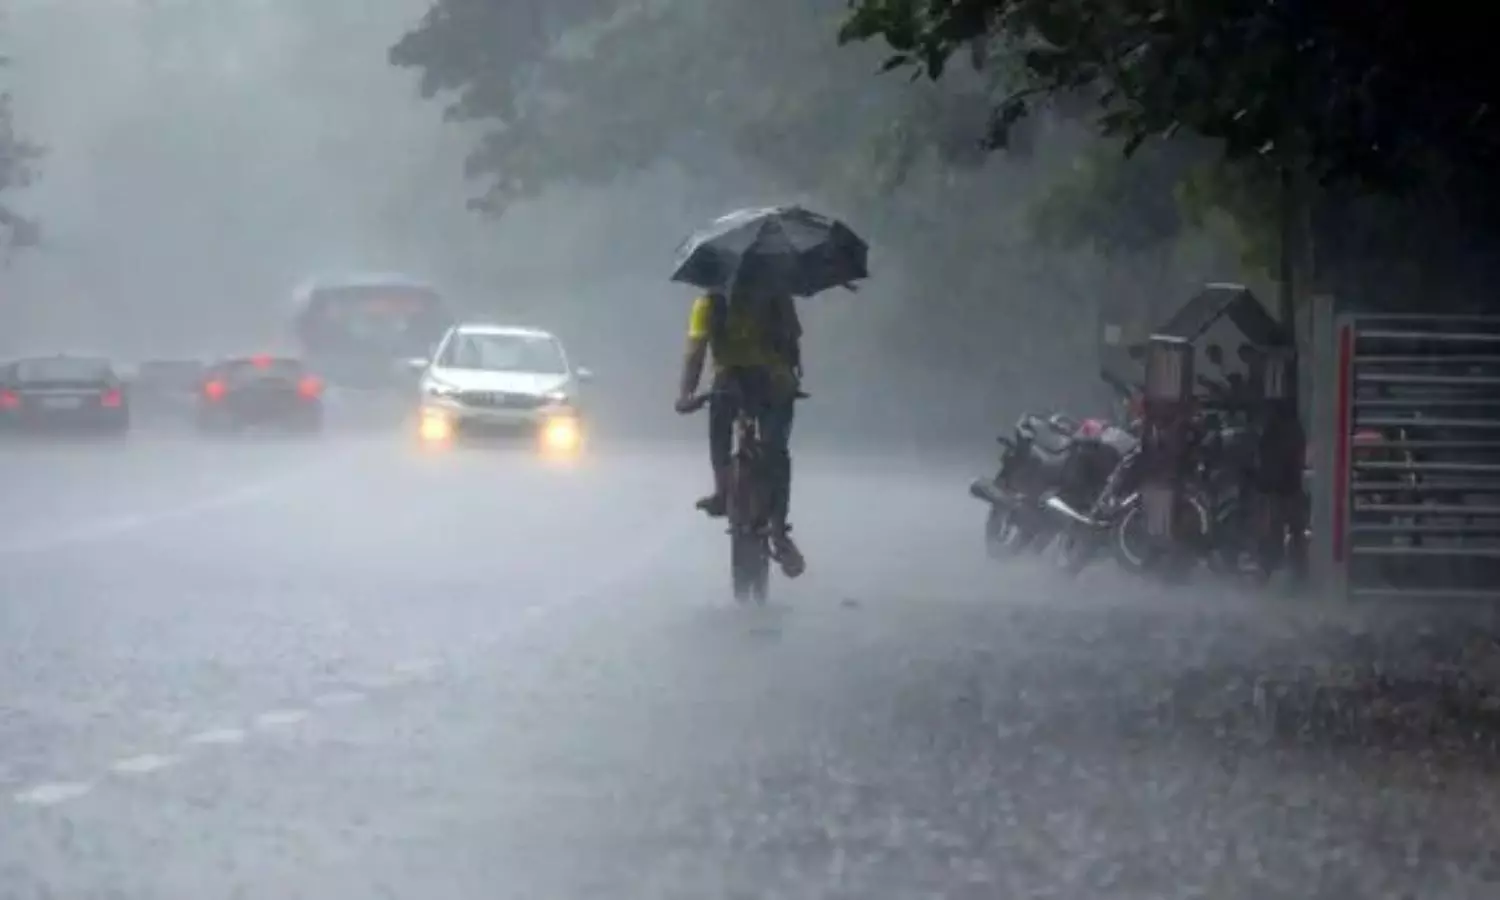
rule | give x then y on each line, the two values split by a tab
166	389
269	392
57	393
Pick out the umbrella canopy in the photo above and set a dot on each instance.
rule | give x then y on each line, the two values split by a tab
781	248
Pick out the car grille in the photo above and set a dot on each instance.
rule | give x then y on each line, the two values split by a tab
499	400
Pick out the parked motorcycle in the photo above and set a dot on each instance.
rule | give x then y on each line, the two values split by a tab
1084	525
1047	460
1032	461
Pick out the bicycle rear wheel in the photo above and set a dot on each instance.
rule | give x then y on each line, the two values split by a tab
749	549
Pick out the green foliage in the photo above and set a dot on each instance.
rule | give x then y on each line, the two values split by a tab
707	83
1344	95
1247	193
1118	206
1382	121
18	159
1164	193
484	50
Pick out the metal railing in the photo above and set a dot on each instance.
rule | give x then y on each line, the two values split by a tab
1412	507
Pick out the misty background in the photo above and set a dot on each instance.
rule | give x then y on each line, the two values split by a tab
204	158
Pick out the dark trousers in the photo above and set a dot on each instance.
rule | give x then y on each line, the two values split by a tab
756	392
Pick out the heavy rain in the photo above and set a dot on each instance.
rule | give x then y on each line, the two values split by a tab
393	398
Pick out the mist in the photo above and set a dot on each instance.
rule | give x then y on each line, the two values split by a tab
267	632
202	165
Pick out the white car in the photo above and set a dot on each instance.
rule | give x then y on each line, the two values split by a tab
501	380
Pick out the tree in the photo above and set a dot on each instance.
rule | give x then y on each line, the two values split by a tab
1347	95
1374	123
18	158
489	56
723	88
607	89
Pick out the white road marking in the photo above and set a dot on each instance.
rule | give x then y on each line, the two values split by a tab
144	764
59	792
53	794
338	698
280	718
219	736
114	526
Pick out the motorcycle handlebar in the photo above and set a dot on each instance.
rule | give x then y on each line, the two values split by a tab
1120	386
1214	386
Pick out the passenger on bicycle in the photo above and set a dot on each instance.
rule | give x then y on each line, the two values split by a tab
755	337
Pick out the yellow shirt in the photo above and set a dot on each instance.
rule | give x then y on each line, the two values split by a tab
745	339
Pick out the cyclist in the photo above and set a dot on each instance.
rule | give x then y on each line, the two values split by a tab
755	337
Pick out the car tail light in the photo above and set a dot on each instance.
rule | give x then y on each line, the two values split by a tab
112	398
310	387
215	390
10	400
261	361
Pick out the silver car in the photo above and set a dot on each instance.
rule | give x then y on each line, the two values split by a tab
497	380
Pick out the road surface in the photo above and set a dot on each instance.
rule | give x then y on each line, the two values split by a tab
346	671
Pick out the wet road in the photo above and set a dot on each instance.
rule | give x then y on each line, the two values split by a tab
345	671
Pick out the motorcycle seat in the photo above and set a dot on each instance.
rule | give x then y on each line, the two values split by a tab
1119	440
1047	458
1051	442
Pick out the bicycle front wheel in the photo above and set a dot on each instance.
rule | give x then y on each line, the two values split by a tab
749	550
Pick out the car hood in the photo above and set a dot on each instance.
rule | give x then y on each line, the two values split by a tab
505	382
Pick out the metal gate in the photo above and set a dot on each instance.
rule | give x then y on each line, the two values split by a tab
1407	425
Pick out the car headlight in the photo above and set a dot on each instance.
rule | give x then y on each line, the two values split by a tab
438	389
434	427
557	398
561	435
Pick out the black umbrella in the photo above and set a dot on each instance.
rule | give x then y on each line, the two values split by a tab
785	248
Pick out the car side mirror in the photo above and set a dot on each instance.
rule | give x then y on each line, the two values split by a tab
418	364
584	375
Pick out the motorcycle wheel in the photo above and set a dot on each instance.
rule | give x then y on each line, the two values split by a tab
1003	536
1127	542
1071	553
1130	543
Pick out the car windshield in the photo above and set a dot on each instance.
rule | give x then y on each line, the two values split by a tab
504	353
62	369
251	370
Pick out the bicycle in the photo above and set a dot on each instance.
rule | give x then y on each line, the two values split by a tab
748	509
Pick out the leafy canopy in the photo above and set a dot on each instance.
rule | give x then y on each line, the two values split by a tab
611	88
1330	87
18	158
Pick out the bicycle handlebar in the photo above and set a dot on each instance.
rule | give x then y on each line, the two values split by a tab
701	400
